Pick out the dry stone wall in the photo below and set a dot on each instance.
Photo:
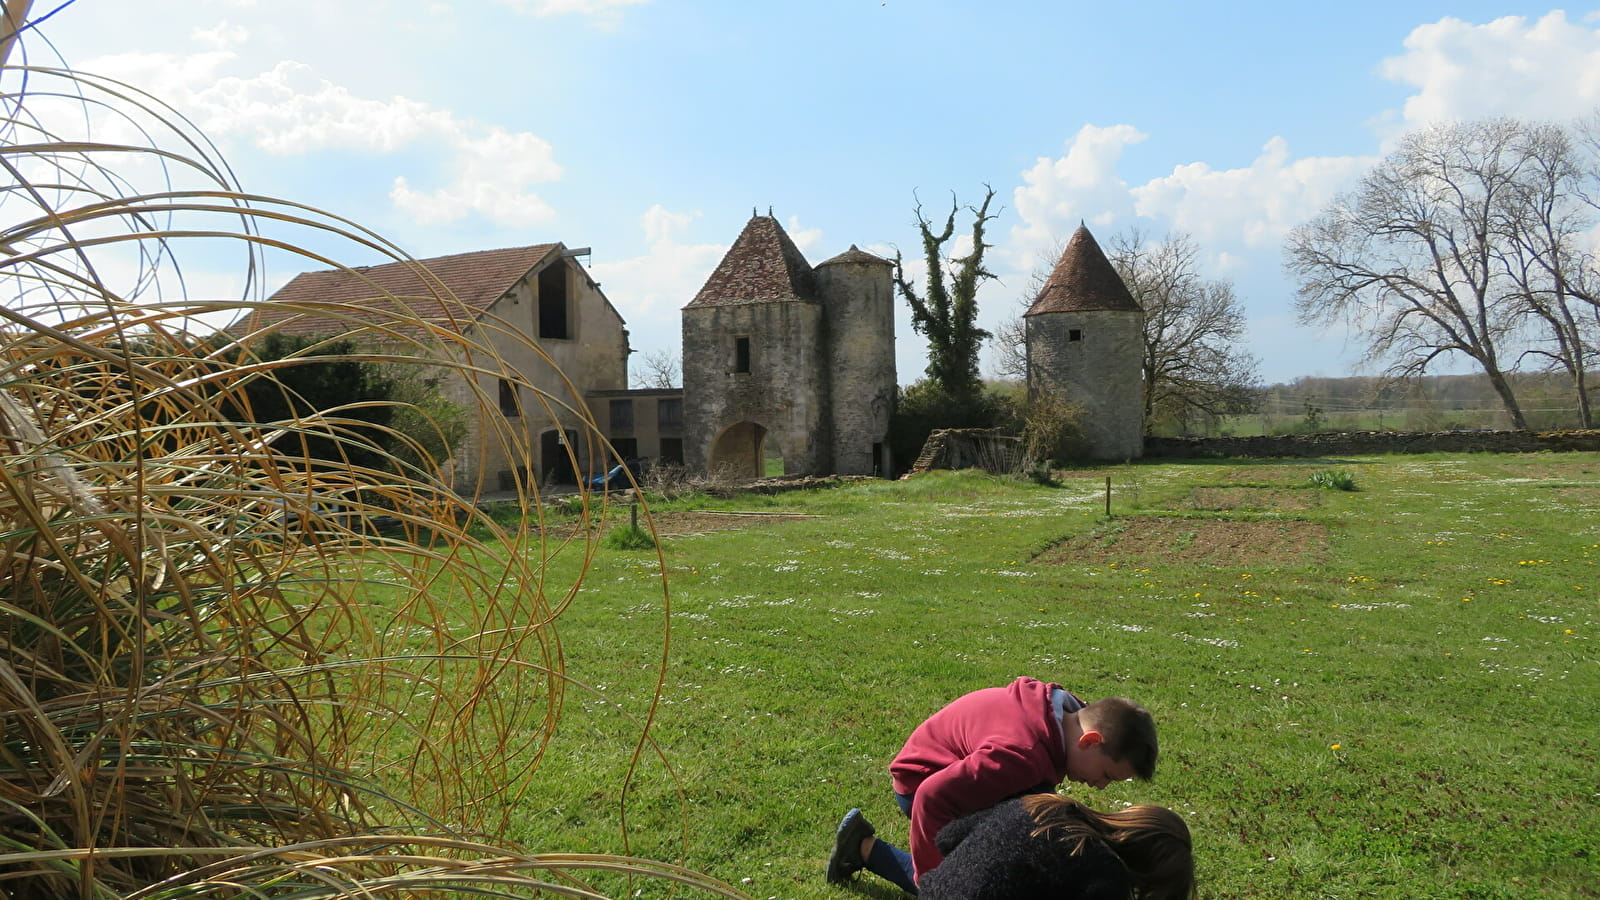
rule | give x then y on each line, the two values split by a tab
1365	443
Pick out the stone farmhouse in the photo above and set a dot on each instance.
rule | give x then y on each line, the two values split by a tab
1084	336
575	369
780	359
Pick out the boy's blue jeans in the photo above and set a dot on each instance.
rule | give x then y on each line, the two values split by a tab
890	862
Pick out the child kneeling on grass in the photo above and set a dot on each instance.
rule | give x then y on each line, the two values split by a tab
989	746
1050	847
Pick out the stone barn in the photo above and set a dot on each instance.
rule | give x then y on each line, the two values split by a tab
782	360
545	318
1085	344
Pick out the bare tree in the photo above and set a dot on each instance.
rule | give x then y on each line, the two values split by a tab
1010	338
948	317
1545	258
1411	259
659	369
1194	364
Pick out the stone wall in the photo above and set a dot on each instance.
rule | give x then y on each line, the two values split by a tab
1366	443
989	449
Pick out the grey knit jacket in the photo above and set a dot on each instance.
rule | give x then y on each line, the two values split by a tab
989	855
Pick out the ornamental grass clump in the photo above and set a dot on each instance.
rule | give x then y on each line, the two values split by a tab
1334	480
231	667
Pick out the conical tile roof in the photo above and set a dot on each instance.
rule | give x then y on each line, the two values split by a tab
855	255
1083	279
762	266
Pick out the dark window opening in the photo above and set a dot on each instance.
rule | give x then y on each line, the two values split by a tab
508	399
627	448
669	414
555	458
672	450
621	417
741	354
553	302
1075	334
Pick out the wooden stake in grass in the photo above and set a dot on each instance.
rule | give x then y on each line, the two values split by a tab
1108	496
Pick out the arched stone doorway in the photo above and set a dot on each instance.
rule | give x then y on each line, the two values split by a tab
740	451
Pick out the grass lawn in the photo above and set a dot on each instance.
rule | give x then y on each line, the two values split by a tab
1386	692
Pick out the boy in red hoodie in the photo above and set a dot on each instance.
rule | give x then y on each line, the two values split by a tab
988	746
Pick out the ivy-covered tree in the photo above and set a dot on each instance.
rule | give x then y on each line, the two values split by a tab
948	315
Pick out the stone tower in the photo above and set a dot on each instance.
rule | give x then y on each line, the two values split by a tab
857	294
1084	340
780	359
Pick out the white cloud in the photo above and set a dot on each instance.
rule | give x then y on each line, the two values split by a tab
1252	207
290	110
666	277
660	224
1081	184
807	239
569	7
491	175
650	290
223	34
1548	68
604	12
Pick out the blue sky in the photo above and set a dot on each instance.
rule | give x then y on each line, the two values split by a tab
648	130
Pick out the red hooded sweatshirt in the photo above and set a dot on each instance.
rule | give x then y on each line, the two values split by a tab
984	747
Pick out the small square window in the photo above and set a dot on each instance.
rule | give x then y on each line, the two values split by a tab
1075	334
669	413
621	417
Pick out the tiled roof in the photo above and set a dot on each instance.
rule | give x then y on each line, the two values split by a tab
462	287
855	255
762	266
1083	279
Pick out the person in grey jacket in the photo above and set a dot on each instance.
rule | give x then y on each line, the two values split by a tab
1050	847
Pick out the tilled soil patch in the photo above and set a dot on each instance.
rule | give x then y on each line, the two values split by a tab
1215	542
1268	499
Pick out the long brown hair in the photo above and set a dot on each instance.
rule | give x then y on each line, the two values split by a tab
1152	841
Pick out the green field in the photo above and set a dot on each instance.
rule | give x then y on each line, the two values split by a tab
1386	692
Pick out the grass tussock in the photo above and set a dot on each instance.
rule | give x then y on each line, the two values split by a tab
1334	480
629	537
233	661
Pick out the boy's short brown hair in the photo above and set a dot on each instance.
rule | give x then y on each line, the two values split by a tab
1127	732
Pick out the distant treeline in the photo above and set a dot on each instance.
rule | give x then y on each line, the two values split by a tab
1428	403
